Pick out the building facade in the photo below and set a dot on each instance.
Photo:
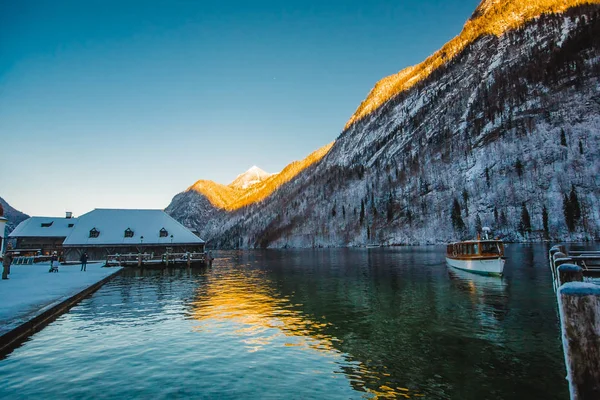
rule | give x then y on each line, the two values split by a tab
42	235
104	232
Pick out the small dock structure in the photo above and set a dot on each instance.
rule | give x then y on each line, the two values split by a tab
576	283
187	259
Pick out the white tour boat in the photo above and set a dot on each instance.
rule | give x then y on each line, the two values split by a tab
482	256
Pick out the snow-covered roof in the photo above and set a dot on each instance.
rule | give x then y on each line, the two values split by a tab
112	224
44	227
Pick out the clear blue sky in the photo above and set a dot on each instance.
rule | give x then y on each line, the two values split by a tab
126	103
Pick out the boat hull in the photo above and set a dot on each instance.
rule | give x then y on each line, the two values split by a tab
489	266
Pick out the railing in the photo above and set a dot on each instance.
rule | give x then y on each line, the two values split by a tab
167	259
29	260
579	306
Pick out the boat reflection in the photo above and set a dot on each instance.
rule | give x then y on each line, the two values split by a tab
244	303
488	298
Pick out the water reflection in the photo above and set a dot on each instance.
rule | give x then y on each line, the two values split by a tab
489	298
335	324
243	303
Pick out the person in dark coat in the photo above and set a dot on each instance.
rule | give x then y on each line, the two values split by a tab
6	261
83	259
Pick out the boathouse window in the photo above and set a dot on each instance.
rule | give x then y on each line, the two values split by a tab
71	225
47	224
128	233
164	232
94	233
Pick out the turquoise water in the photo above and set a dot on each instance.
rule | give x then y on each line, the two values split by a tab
300	324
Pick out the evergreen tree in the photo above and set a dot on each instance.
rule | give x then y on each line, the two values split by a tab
390	208
457	221
333	210
575	204
568	213
487	176
496	215
519	167
343	211
503	219
571	209
525	223
465	196
362	211
545	223
580	147
563	138
478	224
368	233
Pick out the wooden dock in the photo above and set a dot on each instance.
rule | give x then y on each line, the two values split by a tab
578	296
188	259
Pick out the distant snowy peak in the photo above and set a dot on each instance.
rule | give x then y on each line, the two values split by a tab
250	178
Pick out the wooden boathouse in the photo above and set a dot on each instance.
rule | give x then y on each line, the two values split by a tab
41	236
107	232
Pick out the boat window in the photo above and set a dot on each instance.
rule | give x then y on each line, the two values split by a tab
476	248
489	248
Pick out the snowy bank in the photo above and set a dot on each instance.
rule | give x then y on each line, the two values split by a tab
31	290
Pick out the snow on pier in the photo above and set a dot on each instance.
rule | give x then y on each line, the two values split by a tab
31	290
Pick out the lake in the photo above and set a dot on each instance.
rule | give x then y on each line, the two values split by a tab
323	324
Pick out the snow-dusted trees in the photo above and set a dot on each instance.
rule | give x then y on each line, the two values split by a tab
571	209
545	223
457	222
525	222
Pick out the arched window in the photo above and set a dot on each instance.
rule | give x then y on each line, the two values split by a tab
94	233
164	232
128	233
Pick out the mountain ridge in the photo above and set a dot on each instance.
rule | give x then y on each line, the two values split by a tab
485	129
491	17
13	216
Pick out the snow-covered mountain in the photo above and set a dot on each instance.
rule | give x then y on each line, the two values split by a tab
250	178
205	204
501	127
13	216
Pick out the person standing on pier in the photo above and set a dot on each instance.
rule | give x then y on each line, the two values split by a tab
6	261
84	258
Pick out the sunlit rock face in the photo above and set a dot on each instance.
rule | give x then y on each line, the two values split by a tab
492	17
510	120
206	201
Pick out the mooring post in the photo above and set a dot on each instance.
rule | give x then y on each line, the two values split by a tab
558	259
140	260
569	273
579	304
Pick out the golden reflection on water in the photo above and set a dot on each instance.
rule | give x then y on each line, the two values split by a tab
245	298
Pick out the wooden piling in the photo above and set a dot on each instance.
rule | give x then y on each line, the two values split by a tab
569	273
579	305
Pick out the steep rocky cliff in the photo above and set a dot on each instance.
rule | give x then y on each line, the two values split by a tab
504	131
